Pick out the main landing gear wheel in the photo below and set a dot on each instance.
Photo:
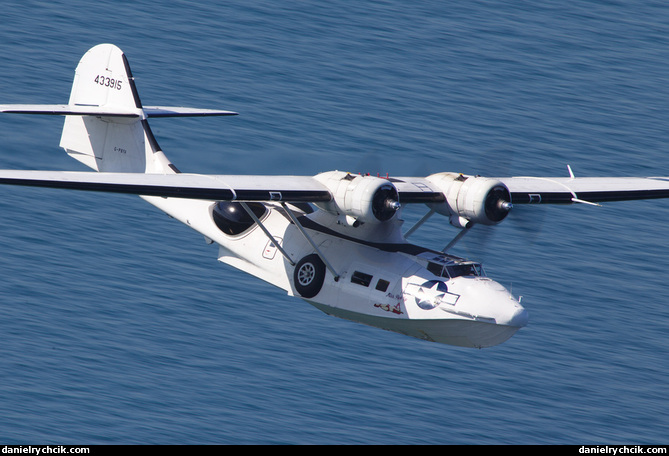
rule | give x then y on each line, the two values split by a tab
309	276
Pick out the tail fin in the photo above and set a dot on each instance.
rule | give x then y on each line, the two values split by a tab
106	127
109	143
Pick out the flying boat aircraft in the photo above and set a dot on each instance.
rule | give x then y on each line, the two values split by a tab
336	239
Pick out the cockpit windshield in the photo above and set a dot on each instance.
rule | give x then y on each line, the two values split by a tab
455	269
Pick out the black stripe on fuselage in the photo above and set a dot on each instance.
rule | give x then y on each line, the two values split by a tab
407	248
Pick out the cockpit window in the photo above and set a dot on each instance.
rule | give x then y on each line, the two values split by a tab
455	269
435	268
468	269
231	218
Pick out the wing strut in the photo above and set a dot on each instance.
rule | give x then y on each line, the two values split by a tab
419	223
267	233
313	244
457	238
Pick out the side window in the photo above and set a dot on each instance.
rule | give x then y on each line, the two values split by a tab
382	285
361	278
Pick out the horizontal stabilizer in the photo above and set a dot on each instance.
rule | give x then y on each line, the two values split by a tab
111	111
70	110
173	111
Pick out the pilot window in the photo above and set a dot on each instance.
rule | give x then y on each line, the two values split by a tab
435	268
231	218
460	270
361	278
455	270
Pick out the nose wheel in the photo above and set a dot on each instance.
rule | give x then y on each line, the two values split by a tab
309	276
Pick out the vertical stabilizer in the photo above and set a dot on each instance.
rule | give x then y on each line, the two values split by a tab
106	126
120	141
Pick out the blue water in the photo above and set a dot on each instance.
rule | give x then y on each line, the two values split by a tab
117	324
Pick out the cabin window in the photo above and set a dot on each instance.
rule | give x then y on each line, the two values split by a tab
361	278
382	285
232	219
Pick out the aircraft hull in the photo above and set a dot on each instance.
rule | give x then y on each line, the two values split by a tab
462	333
485	314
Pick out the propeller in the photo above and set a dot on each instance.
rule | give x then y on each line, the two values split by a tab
385	202
525	221
498	204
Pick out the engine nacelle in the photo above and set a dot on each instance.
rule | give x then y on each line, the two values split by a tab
359	199
472	199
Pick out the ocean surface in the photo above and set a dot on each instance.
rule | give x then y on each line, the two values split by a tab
118	325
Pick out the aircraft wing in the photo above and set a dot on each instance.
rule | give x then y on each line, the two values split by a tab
567	190
193	186
524	190
548	190
206	186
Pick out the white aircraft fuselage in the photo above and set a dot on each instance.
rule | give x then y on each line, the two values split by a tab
395	286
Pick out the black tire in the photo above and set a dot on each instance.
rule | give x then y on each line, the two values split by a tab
309	276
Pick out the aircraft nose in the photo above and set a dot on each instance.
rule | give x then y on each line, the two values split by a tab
519	318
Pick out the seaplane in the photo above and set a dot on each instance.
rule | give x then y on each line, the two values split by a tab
336	239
